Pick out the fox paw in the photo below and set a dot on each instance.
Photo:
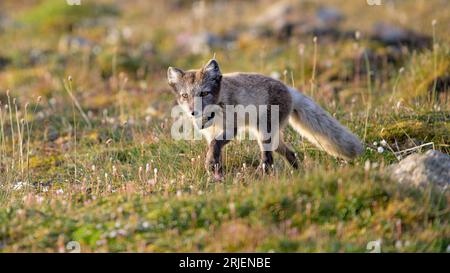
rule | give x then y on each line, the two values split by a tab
218	177
215	170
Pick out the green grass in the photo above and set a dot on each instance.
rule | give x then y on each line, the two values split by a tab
100	167
54	15
340	211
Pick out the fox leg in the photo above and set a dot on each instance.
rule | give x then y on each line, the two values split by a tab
272	140
267	147
213	161
284	150
266	160
268	140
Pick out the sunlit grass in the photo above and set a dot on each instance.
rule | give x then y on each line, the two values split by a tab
91	159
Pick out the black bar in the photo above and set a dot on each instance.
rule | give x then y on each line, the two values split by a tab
228	262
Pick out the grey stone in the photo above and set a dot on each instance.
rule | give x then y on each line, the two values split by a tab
395	35
70	44
274	13
432	167
329	16
204	42
5	22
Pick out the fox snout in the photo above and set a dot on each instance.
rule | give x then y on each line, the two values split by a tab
195	106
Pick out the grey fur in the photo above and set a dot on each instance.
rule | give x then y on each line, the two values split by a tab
320	128
246	89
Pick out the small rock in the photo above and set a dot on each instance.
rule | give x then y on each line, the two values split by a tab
433	167
329	16
394	35
325	25
274	13
203	42
52	135
279	20
70	44
4	62
5	22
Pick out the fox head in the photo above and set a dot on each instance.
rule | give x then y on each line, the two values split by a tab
196	89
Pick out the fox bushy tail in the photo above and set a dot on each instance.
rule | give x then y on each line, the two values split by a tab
320	128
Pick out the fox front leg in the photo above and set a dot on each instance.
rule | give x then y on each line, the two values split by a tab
266	161
213	161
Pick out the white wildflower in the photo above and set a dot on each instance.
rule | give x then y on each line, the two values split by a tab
19	185
39	199
301	49
151	182
275	74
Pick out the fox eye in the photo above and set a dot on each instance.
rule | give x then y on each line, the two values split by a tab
184	95
204	93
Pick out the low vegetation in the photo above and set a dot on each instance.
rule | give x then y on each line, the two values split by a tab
86	152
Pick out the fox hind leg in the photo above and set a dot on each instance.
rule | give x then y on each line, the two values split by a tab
267	144
268	136
284	150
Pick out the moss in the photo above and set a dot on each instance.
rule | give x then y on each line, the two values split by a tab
421	129
49	167
45	162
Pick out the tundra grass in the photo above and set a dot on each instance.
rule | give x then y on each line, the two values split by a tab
91	160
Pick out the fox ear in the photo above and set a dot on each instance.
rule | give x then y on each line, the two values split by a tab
212	69
174	75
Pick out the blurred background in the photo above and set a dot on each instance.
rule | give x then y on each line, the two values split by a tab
95	42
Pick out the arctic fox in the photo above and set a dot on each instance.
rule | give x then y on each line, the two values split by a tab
196	90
